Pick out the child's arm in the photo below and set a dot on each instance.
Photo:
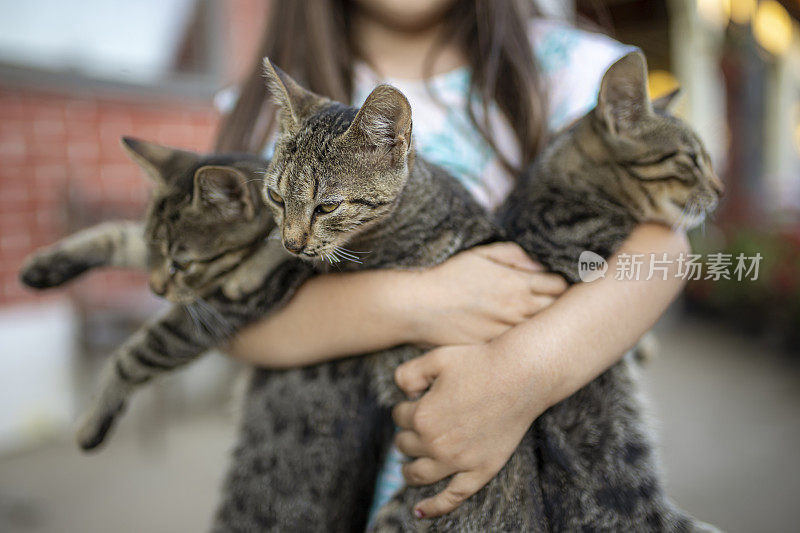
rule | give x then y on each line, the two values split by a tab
483	398
473	297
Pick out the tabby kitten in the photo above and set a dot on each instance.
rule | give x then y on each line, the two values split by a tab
204	240
346	194
625	162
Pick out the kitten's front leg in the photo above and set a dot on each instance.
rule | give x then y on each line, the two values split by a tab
170	341
254	270
120	244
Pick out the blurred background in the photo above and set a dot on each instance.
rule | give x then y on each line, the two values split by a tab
75	76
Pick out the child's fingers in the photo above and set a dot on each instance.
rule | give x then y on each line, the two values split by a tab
410	444
415	376
462	486
548	283
509	254
425	471
403	414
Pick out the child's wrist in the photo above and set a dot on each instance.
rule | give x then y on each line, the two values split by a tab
404	299
536	365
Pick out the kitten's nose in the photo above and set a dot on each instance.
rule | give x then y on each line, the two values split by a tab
158	288
295	244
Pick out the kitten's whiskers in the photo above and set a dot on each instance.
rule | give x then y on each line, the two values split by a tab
353	252
218	324
196	323
687	213
339	253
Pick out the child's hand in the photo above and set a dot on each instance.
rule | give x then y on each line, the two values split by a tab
478	294
481	402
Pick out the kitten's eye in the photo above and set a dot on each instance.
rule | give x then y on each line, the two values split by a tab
275	197
177	266
328	208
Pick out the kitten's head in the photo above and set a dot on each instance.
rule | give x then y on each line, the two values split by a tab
337	170
665	171
204	217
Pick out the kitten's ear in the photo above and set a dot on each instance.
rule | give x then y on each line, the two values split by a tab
296	103
623	96
384	122
225	190
665	103
159	162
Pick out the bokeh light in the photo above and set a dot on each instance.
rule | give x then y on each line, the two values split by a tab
739	11
772	27
661	82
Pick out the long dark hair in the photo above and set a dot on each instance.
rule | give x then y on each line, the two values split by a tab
312	40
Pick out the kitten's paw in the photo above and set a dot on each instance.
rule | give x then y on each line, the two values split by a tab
50	269
95	426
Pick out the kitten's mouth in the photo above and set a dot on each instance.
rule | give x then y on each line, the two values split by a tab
179	297
693	211
308	255
331	254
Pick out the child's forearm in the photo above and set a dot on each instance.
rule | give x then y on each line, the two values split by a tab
471	298
592	324
313	326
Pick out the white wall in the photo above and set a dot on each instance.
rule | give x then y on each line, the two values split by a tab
36	372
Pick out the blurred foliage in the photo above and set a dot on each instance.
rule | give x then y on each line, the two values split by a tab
769	304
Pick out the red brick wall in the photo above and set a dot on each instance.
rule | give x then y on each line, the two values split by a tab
52	144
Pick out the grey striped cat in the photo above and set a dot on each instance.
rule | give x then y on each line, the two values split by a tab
346	194
625	162
204	242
